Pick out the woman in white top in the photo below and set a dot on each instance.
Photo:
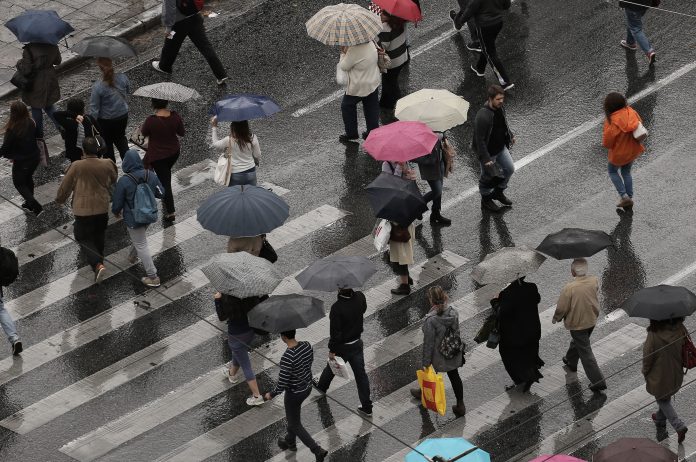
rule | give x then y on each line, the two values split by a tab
360	63
243	148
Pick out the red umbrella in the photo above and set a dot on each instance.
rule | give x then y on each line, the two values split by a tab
400	141
405	9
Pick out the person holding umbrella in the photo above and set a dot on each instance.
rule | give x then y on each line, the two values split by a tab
108	105
242	147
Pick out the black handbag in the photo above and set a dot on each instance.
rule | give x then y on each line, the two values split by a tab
399	234
101	143
268	252
21	78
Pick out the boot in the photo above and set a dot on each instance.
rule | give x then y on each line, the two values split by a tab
459	409
499	195
437	219
416	393
488	204
403	289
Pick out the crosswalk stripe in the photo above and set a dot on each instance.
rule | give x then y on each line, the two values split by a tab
87	331
108	437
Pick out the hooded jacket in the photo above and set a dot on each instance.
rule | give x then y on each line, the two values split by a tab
434	329
124	194
485	12
618	136
662	361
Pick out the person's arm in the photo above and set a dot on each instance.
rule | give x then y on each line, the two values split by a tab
180	130
66	187
220	144
63	118
471	9
283	376
255	149
145	128
113	174
94	100
649	356
428	344
349	59
57	58
7	143
156	184
118	198
608	135
482	131
562	306
168	14
335	331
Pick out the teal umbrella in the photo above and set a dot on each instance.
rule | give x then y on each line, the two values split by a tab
447	449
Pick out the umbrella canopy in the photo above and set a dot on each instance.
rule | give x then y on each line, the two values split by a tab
634	450
169	91
233	108
447	448
242	275
400	141
660	302
396	199
280	313
574	243
39	26
344	24
556	458
336	272
405	9
243	211
104	46
438	109
507	265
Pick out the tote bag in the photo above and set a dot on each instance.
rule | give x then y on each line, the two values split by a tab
223	169
432	387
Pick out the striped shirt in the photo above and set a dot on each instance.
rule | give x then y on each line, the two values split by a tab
295	369
394	44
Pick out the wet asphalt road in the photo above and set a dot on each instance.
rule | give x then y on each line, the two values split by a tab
563	60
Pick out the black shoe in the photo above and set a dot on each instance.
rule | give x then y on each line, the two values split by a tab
474	46
367	412
416	393
598	388
285	446
499	195
169	217
26	207
488	204
321	454
38	210
17	348
453	15
346	139
439	220
364	135
410	281
568	366
403	289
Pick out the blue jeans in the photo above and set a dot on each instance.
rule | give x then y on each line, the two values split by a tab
349	111
239	346
37	115
634	30
624	182
245	177
352	354
7	323
435	195
506	164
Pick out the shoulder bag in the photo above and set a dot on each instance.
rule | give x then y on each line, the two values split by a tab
449	154
268	252
101	143
383	59
399	233
23	78
223	169
688	353
138	139
341	75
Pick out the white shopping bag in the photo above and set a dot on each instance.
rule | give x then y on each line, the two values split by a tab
338	367
382	233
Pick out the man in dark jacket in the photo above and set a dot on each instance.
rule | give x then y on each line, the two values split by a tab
432	170
475	44
345	328
76	127
635	36
492	140
488	15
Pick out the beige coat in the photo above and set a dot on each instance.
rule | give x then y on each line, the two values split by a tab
402	252
91	182
250	245
578	305
662	361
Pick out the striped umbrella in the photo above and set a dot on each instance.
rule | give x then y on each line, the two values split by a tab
168	91
344	24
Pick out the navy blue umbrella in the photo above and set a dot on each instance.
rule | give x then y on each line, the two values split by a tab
233	108
243	211
39	26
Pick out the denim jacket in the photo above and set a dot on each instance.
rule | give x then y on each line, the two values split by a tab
110	102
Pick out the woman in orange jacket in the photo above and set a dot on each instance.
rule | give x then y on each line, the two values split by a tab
619	126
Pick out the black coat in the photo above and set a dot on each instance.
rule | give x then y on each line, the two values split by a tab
432	166
22	146
40	59
631	5
67	120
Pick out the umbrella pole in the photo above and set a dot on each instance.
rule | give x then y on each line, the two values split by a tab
463	454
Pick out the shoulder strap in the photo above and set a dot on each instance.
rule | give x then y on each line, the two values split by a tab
135	180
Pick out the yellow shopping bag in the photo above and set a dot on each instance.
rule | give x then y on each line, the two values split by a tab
432	387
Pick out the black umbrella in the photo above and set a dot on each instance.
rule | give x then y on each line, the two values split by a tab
396	199
104	46
281	313
660	302
574	243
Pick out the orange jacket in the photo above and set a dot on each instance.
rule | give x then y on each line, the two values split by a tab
618	137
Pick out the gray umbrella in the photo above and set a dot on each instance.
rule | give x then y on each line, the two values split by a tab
336	272
660	302
281	313
507	264
168	91
242	275
104	46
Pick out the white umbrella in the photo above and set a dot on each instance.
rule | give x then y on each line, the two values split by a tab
438	109
168	91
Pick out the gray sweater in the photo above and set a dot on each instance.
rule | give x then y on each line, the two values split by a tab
434	328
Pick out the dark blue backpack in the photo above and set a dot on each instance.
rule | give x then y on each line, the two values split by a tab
144	202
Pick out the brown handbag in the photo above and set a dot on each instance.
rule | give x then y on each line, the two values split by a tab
399	234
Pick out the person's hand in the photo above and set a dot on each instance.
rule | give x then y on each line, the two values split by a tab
489	163
332	356
512	141
213	121
425	368
217	295
79	119
344	49
267	397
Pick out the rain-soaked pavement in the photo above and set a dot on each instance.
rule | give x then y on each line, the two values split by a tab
104	378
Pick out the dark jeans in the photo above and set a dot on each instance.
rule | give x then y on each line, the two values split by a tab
487	36
580	349
37	115
293	410
457	385
353	355
194	29
114	133
23	180
163	169
391	92
349	111
89	233
435	195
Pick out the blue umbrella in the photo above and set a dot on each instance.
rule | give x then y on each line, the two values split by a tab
39	26
447	449
243	211
233	108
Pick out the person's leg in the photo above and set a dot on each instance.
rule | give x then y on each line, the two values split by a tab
489	35
101	222
293	415
84	235
239	346
371	110
138	237
119	135
435	194
37	115
50	111
22	178
457	385
475	41
627	178
485	187
325	379
391	92
504	160
634	19
8	324
349	112
163	169
355	356
616	179
109	133
200	40
572	357
670	414
171	47
587	357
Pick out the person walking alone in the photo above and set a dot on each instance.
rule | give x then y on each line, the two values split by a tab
108	105
243	148
619	137
492	142
39	60
635	37
183	19
432	169
393	40
295	379
663	372
360	63
9	268
19	145
123	203
578	308
345	328
90	181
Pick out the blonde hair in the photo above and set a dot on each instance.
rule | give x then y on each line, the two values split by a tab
438	298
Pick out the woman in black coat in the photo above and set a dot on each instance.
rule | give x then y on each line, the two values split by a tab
40	59
71	119
520	331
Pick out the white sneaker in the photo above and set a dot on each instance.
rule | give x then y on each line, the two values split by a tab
151	282
232	378
222	81
155	66
255	400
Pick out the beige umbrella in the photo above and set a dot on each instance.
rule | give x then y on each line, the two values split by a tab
344	24
506	265
438	109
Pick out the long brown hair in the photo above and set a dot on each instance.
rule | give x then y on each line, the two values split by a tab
656	325
613	102
438	298
20	120
241	132
106	66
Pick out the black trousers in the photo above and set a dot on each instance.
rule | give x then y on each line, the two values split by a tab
354	355
193	28
457	385
163	169
293	414
23	180
114	133
89	233
487	36
471	24
391	92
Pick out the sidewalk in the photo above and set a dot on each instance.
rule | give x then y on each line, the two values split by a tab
88	17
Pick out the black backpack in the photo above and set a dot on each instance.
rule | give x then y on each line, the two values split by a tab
9	267
451	344
189	7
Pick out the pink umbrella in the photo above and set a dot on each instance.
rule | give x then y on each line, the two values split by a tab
400	141
556	458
